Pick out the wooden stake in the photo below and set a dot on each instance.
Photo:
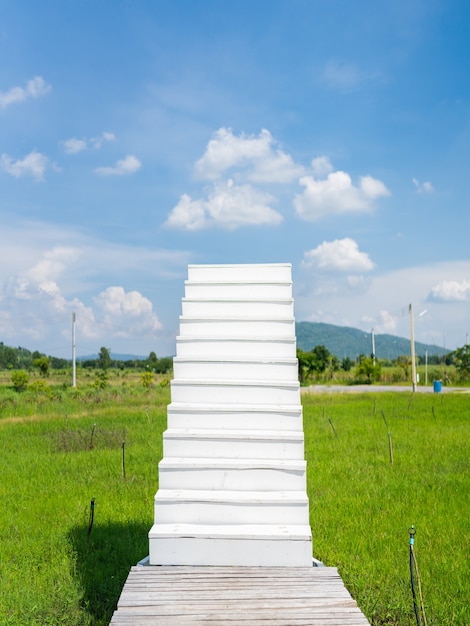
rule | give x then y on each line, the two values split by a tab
334	430
123	461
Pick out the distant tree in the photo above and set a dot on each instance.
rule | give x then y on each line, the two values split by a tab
8	357
321	359
404	362
461	359
43	365
164	365
347	364
368	370
317	361
58	363
104	358
20	380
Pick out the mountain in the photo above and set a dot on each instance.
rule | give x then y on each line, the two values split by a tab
351	342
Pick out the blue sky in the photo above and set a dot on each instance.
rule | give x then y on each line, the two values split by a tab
139	137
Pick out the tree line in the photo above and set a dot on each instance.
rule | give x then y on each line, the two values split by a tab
21	358
319	362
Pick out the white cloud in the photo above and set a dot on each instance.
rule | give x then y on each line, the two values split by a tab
34	164
387	322
228	206
258	158
426	187
98	141
321	166
337	195
129	165
451	291
74	145
125	313
340	255
35	88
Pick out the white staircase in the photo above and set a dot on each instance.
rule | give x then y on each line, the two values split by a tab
232	481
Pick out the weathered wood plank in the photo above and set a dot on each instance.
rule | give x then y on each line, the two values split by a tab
236	596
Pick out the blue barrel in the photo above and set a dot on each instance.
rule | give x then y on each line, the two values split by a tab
437	386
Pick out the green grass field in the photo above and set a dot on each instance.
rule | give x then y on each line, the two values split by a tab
59	450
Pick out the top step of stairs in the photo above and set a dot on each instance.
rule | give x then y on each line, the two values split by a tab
259	272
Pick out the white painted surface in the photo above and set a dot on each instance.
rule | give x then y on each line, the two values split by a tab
230	444
282	348
251	545
237	392
230	507
232	417
256	272
243	290
239	308
233	476
240	368
231	328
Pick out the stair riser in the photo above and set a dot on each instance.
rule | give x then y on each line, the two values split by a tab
235	308
234	552
244	328
232	448
238	291
275	272
184	368
251	420
194	393
189	347
229	513
232	479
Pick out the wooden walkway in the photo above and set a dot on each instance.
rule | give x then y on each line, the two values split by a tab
236	596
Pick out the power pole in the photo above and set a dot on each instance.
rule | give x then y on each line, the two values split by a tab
413	355
373	346
74	368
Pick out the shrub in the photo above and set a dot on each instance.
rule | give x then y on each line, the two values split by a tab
147	379
20	380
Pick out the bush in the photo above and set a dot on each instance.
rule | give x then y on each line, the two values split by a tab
20	380
39	386
147	379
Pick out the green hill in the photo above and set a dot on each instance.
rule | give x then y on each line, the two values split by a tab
351	342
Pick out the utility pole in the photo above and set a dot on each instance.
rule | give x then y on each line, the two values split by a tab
74	369
373	346
426	377
413	356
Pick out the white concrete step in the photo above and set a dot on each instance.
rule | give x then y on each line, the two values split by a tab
248	545
238	307
259	272
230	507
235	392
234	327
228	416
205	368
282	347
232	474
233	444
244	290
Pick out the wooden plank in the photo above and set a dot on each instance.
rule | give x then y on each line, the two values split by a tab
236	596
